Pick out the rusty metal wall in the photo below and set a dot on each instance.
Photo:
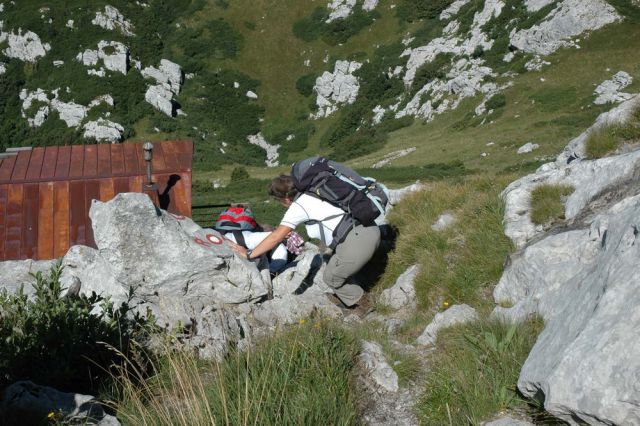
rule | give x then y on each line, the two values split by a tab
46	193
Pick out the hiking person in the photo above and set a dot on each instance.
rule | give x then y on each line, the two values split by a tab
238	225
353	241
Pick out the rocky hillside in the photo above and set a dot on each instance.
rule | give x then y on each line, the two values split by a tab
260	83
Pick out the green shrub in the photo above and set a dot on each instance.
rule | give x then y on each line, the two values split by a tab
305	84
415	10
547	203
310	28
61	341
474	372
496	101
239	174
609	138
335	32
431	71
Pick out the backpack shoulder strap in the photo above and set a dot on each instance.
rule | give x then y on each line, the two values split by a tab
239	238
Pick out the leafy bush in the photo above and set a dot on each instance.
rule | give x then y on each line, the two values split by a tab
432	70
415	10
496	101
239	174
547	203
305	84
62	341
310	28
335	32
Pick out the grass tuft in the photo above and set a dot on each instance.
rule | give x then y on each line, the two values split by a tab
608	139
547	203
474	372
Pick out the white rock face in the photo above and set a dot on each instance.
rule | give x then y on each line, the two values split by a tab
70	112
584	284
588	177
112	19
571	18
272	150
340	9
403	293
456	314
528	147
114	56
339	87
167	73
161	98
393	156
609	91
536	5
251	95
369	5
375	363
103	130
27	47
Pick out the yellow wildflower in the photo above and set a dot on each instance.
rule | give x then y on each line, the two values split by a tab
445	304
51	415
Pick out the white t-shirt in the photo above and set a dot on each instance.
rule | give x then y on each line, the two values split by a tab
307	208
252	239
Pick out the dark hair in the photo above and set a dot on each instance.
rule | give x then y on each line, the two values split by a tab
283	187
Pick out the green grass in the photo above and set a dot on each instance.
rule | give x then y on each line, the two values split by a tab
298	376
474	372
461	263
547	203
609	139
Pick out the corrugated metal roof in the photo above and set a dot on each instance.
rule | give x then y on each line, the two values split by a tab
46	193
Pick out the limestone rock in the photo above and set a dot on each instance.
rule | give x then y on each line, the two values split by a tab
251	95
453	9
340	9
3	68
103	130
27	403
272	150
528	147
444	221
16	273
609	91
161	98
456	314
584	284
588	178
369	5
167	73
339	87
393	156
375	363
70	112
536	5
569	19
114	56
27	47
507	421
403	293
112	19
536	64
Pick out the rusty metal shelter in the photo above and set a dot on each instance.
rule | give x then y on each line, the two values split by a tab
46	193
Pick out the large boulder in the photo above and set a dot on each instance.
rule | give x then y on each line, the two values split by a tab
584	283
19	273
28	404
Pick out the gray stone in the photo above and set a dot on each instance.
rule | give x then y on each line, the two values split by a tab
161	98
251	95
103	130
112	19
403	293
375	364
70	112
507	421
339	87
369	5
455	315
609	91
444	221
528	147
26	47
569	19
3	68
340	9
27	403
585	361
169	73
271	150
16	273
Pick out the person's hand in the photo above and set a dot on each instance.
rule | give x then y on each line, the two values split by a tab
238	249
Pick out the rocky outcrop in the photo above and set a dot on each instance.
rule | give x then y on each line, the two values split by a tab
569	19
114	56
271	150
403	293
169	79
339	87
112	19
17	273
27	403
26	47
589	178
609	91
455	315
527	148
103	130
584	284
340	9
393	156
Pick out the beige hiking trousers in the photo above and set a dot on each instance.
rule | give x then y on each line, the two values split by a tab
349	257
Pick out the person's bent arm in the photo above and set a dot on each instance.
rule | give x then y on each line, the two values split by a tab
272	240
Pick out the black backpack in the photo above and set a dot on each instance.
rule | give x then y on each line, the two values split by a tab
363	199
